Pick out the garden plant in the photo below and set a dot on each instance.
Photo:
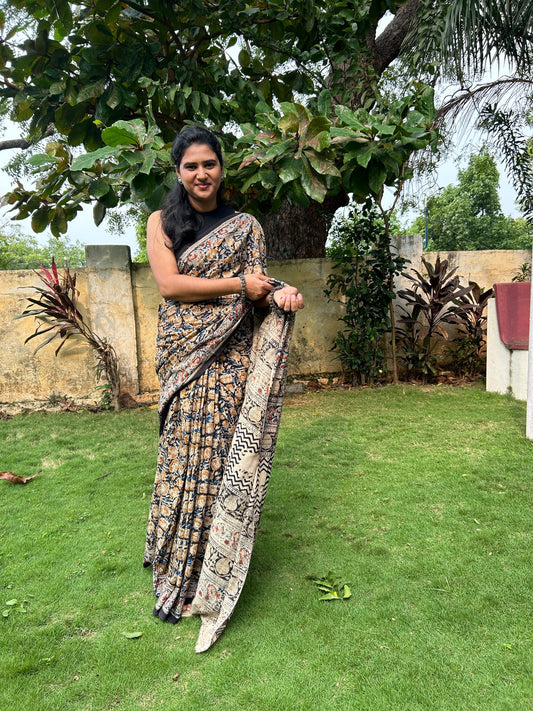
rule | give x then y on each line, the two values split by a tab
55	308
426	310
364	267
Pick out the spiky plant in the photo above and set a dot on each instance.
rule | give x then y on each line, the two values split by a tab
55	308
425	312
470	342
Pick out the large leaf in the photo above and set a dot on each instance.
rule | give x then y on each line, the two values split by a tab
87	161
289	169
122	135
311	182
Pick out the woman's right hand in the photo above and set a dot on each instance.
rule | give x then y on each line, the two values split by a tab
257	286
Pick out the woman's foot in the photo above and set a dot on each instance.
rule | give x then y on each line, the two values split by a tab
186	609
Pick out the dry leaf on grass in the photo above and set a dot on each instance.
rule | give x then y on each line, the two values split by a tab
9	476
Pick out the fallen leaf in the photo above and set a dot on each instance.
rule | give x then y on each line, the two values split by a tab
132	635
175	677
9	476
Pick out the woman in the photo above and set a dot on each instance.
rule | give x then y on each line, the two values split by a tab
223	333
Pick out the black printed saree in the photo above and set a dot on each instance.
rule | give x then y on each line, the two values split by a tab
221	368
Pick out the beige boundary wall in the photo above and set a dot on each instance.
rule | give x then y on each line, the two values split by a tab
120	300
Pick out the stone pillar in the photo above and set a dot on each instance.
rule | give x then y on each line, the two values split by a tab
111	306
498	379
529	409
409	247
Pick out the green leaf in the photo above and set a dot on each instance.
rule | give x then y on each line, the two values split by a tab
109	199
40	159
98	188
156	198
318	142
322	165
289	123
120	134
330	596
148	162
86	161
324	102
91	91
58	224
317	126
363	154
79	132
289	169
40	219
376	177
244	58
142	185
386	129
348	118
99	212
132	635
311	182
11	603
278	149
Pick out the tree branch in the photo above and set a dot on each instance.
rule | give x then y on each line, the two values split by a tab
24	143
387	46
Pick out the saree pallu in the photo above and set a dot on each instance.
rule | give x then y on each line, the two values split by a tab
222	370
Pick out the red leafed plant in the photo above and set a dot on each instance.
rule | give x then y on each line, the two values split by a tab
55	308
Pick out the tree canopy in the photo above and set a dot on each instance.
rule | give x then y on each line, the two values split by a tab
294	91
105	86
21	251
468	216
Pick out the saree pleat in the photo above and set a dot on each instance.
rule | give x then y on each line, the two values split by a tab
194	445
221	372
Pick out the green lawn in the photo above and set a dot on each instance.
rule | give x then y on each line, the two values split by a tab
419	498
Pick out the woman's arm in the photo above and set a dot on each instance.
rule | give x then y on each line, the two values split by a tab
182	287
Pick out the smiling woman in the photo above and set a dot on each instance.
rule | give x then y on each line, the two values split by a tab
223	336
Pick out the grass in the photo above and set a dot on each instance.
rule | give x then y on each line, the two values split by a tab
419	498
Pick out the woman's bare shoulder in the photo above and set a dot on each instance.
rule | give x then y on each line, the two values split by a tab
154	220
155	234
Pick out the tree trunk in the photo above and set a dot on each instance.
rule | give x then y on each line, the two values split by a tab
296	232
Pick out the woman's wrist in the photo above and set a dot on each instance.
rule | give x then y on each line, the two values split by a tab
235	285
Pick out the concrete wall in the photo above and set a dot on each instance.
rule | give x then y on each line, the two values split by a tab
485	268
120	300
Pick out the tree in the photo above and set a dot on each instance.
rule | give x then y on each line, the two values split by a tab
156	65
20	251
469	215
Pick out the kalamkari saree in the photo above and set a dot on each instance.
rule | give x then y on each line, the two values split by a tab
221	366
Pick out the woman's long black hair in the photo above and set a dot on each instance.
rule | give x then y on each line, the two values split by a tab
179	219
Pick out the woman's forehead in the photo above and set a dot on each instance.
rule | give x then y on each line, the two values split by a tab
198	153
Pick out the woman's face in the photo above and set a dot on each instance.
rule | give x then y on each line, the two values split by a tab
201	175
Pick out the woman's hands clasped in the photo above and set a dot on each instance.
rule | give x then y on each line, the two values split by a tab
258	287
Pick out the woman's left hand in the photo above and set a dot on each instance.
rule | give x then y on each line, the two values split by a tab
288	298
